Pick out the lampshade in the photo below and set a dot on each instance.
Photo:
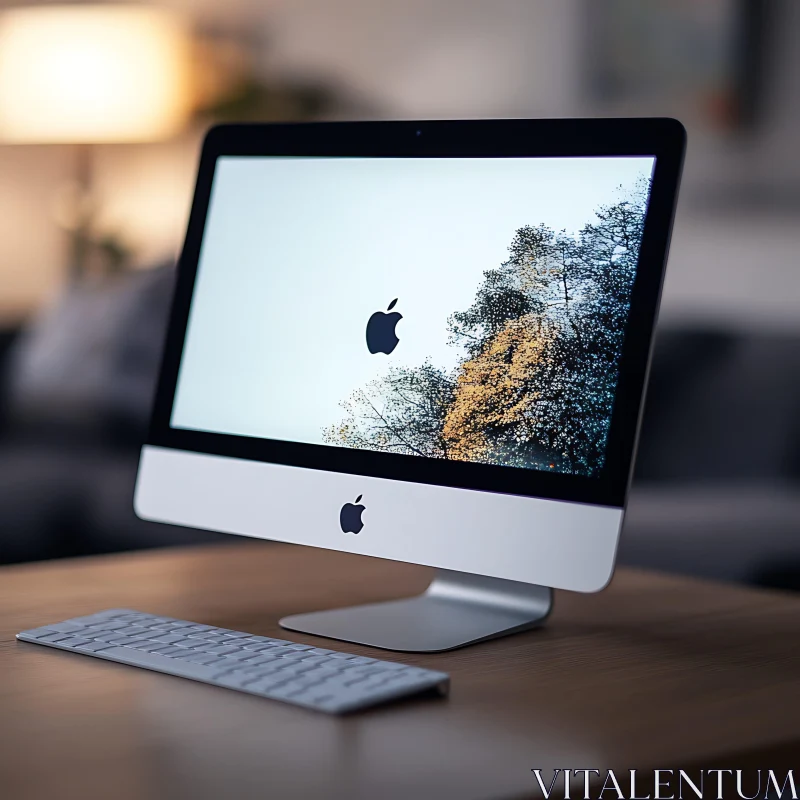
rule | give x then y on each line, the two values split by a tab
91	74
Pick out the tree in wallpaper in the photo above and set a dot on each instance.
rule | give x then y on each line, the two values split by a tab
541	345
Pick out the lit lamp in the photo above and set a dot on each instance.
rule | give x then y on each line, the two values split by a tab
91	74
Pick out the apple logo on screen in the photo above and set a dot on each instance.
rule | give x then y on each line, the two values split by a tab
381	336
350	516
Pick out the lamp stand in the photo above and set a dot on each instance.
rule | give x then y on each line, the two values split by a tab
84	203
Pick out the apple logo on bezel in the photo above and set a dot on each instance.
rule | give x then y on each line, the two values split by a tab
350	516
381	335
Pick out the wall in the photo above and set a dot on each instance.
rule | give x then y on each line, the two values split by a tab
736	236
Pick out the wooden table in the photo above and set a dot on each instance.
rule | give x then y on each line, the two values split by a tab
654	672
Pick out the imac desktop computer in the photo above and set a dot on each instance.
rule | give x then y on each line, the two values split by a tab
426	342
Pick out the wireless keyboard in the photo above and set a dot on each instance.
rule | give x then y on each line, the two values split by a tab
313	677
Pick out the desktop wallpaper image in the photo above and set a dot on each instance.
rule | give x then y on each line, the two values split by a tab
457	309
540	344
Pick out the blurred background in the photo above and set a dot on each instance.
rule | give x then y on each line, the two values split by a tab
102	110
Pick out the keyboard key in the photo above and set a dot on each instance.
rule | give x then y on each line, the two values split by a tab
138	630
194	658
170	638
170	651
93	647
291	655
88	620
55	637
223	650
326	672
241	655
271	642
105	637
66	627
209	660
73	641
151	647
262	659
302	667
137	642
366	671
289	669
349	667
314	661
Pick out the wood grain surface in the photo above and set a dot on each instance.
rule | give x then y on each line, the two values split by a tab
656	671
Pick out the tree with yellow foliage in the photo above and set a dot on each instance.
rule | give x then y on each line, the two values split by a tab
541	345
496	408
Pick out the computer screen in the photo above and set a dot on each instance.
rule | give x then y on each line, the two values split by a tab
471	309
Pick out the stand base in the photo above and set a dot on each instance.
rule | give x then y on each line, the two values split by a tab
457	609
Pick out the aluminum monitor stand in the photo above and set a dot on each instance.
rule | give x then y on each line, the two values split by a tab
457	609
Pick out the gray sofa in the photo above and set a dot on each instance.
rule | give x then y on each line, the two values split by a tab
717	489
75	395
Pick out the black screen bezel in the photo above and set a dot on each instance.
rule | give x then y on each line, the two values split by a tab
663	139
